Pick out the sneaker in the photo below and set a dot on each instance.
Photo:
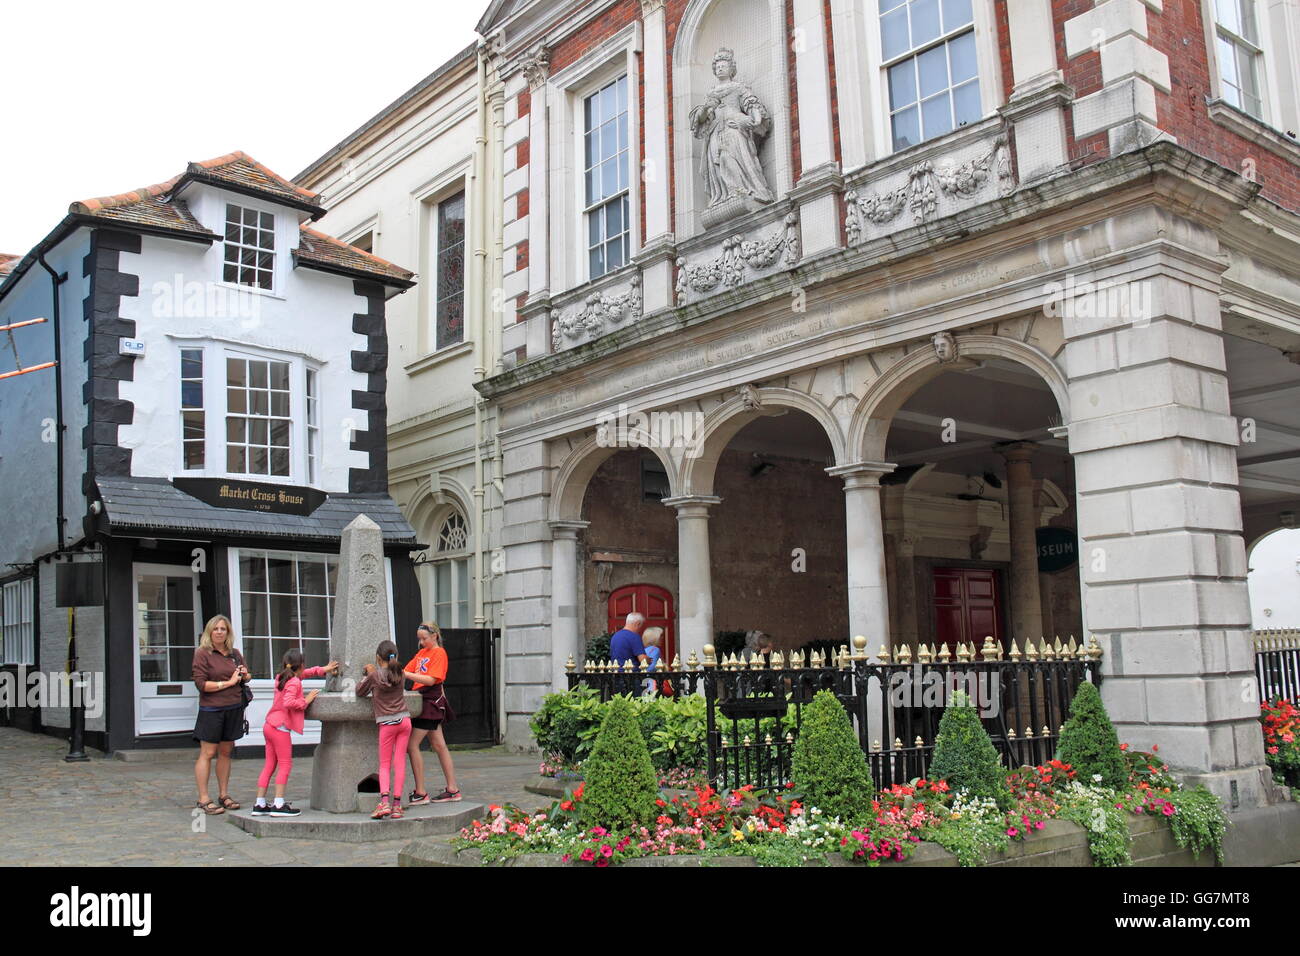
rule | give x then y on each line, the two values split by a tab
447	796
283	811
382	811
397	811
263	810
417	799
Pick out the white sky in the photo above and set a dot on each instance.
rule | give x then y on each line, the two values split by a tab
102	97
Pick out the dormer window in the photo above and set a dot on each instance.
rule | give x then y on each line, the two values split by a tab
250	247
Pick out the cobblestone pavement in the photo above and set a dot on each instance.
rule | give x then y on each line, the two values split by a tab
116	813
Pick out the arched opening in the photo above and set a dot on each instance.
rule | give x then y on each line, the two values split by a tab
979	514
777	539
1273	576
628	549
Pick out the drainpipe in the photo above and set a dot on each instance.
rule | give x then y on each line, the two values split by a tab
479	280
57	279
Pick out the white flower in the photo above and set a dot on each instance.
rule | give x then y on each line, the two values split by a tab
1096	778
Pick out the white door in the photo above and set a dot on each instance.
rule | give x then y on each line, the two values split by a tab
167	629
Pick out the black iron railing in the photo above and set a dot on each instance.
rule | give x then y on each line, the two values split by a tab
1277	664
755	707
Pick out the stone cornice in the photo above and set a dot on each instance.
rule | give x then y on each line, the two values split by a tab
1162	174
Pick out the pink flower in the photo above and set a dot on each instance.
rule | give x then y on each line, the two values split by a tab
588	855
566	858
1012	831
1039	825
602	862
1169	810
606	850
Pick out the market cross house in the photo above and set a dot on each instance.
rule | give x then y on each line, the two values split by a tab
1025	272
216	417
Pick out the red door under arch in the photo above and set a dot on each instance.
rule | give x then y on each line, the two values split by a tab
655	603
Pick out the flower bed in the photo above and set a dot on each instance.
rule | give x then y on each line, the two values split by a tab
1281	724
780	830
979	813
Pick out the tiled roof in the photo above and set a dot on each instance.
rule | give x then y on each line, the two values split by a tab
158	209
316	248
241	171
155	504
151	207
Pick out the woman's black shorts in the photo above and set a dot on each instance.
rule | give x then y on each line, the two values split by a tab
218	726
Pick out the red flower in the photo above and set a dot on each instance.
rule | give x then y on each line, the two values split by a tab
577	793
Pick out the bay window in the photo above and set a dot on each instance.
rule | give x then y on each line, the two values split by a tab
286	600
267	407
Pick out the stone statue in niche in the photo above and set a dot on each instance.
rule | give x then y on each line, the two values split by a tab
733	123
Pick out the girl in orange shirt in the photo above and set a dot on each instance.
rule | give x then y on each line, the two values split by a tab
428	672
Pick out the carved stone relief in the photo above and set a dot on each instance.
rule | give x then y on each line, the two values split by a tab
598	314
740	257
924	184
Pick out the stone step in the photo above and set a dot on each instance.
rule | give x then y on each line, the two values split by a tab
430	820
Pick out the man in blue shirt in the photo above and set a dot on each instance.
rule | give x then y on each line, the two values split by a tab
625	646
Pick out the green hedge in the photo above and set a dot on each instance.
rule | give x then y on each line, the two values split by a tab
621	783
829	769
1089	743
673	728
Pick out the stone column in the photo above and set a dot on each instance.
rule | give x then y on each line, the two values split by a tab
658	253
566	642
1026	604
1162	560
694	580
865	535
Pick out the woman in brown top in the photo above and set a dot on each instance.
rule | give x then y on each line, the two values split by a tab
219	674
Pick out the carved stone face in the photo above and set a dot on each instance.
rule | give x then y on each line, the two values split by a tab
724	69
944	347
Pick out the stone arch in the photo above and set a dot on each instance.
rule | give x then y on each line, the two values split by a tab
577	468
763	33
432	505
722	424
869	428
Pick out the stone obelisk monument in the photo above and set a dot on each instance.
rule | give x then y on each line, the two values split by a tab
347	753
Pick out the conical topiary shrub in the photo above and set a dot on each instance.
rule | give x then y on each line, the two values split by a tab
621	786
828	769
964	754
1089	743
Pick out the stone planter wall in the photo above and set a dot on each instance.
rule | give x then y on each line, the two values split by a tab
1059	843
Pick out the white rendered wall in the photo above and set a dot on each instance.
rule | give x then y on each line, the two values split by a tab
309	315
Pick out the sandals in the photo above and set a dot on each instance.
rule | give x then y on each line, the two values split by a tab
228	803
210	808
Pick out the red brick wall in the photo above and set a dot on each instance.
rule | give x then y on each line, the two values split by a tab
1179	33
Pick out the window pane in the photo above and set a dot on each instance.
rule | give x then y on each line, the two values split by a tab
907	128
936	116
966	103
893	33
236	372
614	218
257	374
191	394
257	429
961	52
256	614
1226	12
311	576
932	67
259	461
902	84
925	21
955	14
279	461
235	460
259	403
257	654
596	262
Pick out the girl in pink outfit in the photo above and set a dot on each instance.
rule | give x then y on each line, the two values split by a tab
285	718
385	685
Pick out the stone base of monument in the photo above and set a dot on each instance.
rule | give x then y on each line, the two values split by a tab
431	820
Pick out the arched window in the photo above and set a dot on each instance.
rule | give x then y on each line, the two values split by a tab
447	580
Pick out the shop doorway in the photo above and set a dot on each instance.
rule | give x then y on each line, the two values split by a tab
168	623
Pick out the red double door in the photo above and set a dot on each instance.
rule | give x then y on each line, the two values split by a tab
966	606
656	604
